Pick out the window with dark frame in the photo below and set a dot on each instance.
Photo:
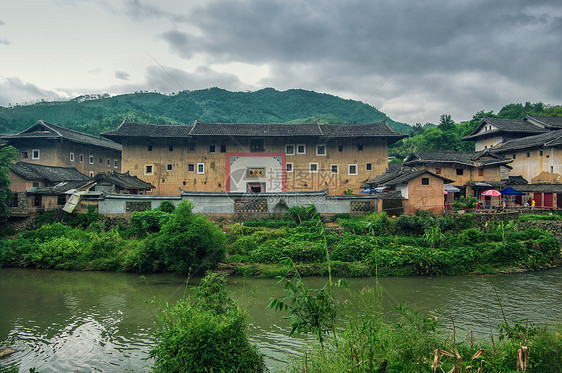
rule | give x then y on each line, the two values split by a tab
148	169
425	180
149	147
360	147
212	148
61	200
169	167
257	145
334	168
369	166
340	148
170	148
223	148
191	147
460	171
352	169
191	167
289	167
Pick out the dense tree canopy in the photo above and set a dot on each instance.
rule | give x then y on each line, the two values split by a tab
8	155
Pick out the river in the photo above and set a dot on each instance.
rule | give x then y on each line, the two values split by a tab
60	321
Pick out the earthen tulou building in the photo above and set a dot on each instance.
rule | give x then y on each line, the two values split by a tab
254	157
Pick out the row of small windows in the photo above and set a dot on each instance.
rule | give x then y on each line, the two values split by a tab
191	167
91	160
313	167
35	154
257	145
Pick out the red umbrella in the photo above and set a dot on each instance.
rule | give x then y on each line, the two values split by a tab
491	193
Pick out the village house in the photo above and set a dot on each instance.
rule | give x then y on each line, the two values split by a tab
493	131
420	189
473	172
538	159
254	157
114	182
39	188
51	145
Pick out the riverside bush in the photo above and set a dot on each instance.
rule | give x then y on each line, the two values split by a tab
147	222
189	242
206	333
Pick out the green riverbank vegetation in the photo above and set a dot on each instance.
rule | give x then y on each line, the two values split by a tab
355	336
205	333
176	240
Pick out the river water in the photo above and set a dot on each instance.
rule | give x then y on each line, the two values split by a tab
60	321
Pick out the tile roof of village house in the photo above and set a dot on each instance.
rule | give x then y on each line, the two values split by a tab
548	122
401	176
504	126
53	174
45	130
549	139
472	159
124	180
130	129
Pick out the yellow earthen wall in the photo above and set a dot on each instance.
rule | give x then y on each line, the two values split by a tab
136	157
537	168
58	154
426	197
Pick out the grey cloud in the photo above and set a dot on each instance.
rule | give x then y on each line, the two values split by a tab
174	80
2	23
13	90
4	41
122	75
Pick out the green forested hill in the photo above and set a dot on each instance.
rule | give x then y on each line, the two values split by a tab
210	105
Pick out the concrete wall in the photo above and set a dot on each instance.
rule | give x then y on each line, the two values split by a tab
224	204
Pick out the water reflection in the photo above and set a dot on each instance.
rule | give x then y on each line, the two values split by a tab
66	321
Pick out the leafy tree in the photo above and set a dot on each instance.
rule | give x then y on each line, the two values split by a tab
446	123
8	155
189	242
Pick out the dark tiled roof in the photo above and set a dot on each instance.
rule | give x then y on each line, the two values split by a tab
402	176
471	159
505	126
539	188
548	122
549	139
44	130
130	129
57	189
380	129
125	180
52	174
255	129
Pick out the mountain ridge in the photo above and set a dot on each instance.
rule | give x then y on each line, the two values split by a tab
97	113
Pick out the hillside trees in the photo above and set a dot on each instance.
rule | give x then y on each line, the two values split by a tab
8	154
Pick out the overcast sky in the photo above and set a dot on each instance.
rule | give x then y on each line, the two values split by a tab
413	60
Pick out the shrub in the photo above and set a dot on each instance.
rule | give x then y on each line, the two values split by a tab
205	334
147	222
189	242
143	257
352	248
301	213
167	206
